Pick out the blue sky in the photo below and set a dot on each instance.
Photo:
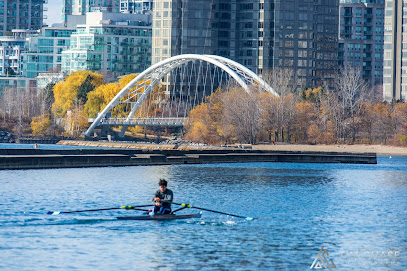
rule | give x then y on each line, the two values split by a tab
54	12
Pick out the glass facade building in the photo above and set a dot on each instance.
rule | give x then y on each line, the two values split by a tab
115	42
264	34
361	25
18	14
395	51
11	50
44	51
136	6
81	7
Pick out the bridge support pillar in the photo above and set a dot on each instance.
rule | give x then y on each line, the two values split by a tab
101	131
123	130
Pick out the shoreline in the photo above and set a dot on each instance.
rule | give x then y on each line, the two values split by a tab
140	154
360	148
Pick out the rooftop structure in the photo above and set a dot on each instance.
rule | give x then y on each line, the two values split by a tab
81	7
136	6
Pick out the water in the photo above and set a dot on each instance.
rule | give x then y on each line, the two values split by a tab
301	207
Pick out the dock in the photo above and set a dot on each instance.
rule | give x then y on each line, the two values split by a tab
73	158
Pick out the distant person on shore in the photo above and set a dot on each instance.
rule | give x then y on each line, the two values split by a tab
163	198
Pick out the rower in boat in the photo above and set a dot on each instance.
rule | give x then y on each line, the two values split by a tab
163	198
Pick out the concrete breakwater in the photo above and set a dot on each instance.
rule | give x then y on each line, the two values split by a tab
70	158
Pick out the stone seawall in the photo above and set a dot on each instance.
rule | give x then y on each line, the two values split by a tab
70	158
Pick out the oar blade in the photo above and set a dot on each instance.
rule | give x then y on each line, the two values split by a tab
53	213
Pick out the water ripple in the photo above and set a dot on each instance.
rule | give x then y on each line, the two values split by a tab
300	208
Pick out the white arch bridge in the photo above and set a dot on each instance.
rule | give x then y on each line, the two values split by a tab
163	94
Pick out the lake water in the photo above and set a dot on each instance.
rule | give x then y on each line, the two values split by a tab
357	212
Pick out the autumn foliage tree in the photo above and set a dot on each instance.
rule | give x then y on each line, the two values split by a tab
70	97
345	111
73	91
400	120
205	121
98	98
40	124
242	111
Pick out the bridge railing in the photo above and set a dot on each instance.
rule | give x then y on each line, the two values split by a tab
143	121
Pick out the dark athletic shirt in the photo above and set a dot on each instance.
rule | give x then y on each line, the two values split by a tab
166	197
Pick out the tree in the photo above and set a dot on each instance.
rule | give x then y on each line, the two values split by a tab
331	113
314	134
101	96
70	95
279	111
242	110
353	90
84	89
40	124
45	99
197	127
400	119
76	121
71	92
307	116
206	121
366	116
383	121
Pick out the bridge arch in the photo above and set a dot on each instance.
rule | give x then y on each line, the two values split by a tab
149	78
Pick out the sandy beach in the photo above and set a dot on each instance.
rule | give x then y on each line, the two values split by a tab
378	149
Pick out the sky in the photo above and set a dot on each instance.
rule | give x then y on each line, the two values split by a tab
54	12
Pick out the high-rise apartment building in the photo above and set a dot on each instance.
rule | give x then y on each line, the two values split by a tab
395	51
12	49
136	6
19	14
361	37
115	42
261	34
44	50
81	7
11	52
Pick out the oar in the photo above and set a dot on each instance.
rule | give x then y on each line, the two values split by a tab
213	211
128	207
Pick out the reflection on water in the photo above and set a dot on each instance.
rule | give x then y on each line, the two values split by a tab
300	207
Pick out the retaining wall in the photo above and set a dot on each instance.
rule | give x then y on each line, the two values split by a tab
43	158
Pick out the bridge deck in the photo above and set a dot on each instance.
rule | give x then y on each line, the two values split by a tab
142	121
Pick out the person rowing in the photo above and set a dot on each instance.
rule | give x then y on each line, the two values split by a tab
163	198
